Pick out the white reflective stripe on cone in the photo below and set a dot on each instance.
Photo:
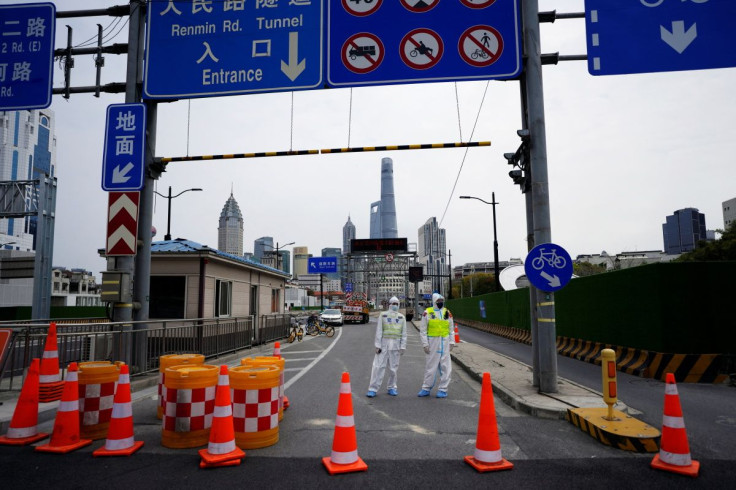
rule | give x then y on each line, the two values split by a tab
673	422
675	459
344	458
223	380
50	354
670	389
68	406
72	376
115	444
344	421
49	378
20	432
124	379
344	387
225	411
122	411
221	447
487	456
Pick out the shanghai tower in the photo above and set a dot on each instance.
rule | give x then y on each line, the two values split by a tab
388	204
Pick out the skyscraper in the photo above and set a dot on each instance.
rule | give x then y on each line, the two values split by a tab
301	260
230	231
383	212
348	233
682	231
27	151
375	231
431	253
261	245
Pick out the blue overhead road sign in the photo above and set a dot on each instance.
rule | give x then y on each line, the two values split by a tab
321	265
125	143
27	35
409	41
643	36
210	48
548	267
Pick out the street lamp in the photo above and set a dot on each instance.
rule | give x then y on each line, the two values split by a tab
495	241
277	248
170	197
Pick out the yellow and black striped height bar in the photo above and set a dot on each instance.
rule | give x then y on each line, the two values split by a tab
229	156
428	146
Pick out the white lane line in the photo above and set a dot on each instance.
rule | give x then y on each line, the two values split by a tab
319	358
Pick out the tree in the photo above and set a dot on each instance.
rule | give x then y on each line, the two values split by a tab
718	250
583	269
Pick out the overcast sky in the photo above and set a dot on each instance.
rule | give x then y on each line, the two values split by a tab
623	153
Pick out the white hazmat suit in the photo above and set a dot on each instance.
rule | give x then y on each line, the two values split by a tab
390	343
437	333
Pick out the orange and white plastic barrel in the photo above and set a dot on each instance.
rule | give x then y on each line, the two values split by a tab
168	361
279	362
97	383
255	398
189	398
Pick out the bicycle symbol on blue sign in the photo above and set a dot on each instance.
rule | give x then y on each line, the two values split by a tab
548	267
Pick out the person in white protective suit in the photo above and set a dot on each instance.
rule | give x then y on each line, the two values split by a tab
390	344
437	333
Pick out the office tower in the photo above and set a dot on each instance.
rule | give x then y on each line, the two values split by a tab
375	231
388	203
301	260
261	245
27	151
431	254
230	231
348	233
682	231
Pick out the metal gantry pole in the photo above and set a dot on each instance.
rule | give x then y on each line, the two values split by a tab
495	243
540	189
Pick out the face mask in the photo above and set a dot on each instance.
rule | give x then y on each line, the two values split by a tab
440	304
394	307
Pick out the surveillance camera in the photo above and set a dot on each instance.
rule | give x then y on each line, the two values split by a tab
509	156
523	134
516	174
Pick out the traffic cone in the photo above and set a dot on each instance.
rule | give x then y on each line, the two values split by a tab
674	451
50	384
277	354
65	437
23	427
120	440
457	336
221	450
487	456
344	457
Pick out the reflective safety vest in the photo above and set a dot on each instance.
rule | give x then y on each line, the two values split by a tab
437	327
392	327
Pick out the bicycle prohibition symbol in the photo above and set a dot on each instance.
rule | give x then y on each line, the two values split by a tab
551	258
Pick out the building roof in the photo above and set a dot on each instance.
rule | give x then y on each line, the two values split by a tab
181	245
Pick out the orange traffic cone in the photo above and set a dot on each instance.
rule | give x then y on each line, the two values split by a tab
674	451
23	427
65	437
50	384
344	457
221	450
120	440
457	336
487	455
277	354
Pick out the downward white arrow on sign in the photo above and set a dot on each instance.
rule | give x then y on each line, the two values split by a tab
295	67
121	176
554	281
679	39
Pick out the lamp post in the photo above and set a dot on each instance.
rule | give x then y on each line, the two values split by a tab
495	240
277	248
170	197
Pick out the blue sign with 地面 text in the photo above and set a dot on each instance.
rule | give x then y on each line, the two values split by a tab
27	35
548	267
645	36
319	265
199	48
124	151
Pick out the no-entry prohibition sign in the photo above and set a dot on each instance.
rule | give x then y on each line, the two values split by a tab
421	48
480	45
362	52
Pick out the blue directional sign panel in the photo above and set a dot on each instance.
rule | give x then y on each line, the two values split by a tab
27	34
548	267
321	265
643	36
199	48
348	287
125	142
409	41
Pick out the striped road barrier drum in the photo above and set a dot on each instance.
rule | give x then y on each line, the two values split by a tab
97	383
189	404
255	391
265	361
166	362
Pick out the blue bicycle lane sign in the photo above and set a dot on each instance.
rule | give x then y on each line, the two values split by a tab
548	267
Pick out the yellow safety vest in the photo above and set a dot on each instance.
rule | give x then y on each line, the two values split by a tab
392	328
437	327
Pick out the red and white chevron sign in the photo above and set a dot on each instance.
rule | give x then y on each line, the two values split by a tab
122	223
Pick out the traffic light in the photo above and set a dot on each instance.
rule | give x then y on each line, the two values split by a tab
416	274
517	176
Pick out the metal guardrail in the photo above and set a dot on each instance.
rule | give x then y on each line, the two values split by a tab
143	342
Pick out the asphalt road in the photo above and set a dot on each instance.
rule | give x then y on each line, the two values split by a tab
407	442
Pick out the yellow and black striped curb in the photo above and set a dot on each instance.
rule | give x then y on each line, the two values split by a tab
624	432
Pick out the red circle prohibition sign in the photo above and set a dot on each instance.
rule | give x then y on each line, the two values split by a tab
361	7
480	45
362	52
414	5
477	4
421	48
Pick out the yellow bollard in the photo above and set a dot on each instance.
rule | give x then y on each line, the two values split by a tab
608	369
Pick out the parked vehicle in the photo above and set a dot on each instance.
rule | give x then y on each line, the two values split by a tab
332	317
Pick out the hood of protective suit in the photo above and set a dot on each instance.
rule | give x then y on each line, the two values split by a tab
435	298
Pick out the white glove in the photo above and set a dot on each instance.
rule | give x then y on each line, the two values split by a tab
378	350
426	349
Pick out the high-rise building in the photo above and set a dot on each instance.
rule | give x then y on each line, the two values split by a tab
375	231
729	213
348	233
333	252
683	230
383	212
27	151
230	231
261	245
301	261
432	255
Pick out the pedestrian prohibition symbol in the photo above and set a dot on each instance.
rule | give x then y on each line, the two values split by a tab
362	53
480	45
361	9
421	49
